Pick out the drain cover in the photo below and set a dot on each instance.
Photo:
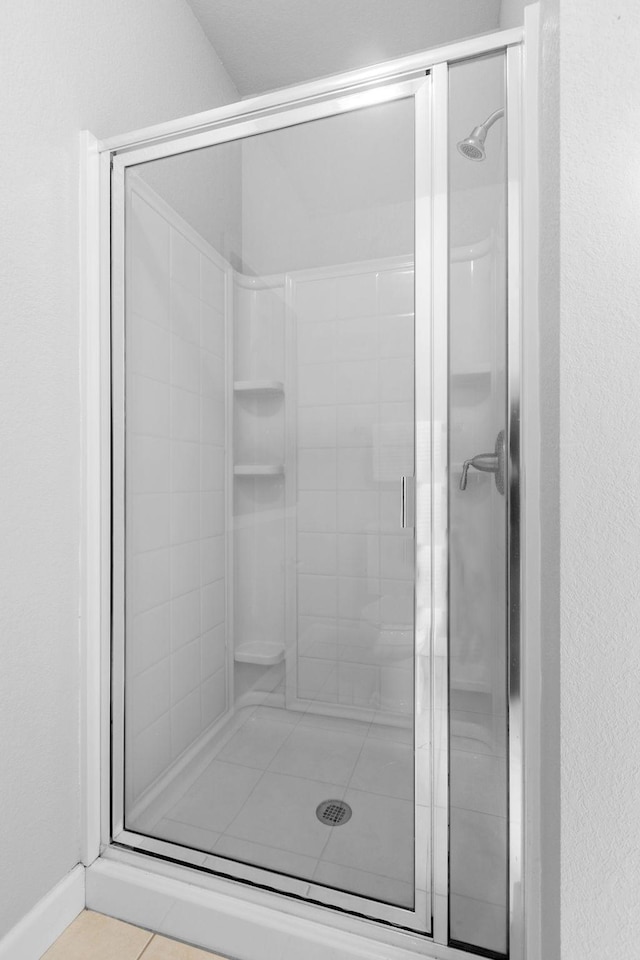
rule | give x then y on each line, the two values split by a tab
333	812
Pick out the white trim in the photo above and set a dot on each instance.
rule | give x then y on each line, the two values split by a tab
92	497
44	923
530	487
241	921
326	86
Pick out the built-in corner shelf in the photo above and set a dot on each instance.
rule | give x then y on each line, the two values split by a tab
258	469
264	652
258	386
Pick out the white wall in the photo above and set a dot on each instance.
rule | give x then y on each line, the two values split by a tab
108	66
600	465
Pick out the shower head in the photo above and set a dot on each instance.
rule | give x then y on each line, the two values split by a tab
472	147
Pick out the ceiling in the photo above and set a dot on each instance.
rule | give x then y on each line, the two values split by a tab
266	44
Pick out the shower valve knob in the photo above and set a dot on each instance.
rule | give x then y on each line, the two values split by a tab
487	463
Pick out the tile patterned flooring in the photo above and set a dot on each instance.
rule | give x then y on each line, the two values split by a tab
257	800
93	936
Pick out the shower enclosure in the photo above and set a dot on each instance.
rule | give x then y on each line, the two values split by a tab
314	410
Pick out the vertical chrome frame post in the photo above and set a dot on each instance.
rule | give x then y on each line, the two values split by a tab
514	314
439	497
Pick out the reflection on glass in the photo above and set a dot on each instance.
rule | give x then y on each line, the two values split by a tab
477	571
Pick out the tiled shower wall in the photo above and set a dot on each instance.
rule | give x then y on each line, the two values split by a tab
355	417
175	490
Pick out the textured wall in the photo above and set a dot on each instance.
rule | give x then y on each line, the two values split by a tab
600	465
108	66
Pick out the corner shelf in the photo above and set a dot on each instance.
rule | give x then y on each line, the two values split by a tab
258	469
258	386
263	652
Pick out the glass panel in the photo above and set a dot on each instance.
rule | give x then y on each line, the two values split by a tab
477	563
269	581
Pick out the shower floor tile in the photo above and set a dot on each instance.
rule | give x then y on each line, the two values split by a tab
256	802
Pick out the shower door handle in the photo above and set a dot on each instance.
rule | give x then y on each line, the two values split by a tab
407	502
488	463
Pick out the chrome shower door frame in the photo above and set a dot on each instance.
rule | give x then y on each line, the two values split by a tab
425	77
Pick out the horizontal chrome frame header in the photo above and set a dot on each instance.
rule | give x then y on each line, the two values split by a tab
402	68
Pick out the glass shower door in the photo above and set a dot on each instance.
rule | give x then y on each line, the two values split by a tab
276	717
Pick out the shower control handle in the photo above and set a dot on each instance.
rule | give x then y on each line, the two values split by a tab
487	463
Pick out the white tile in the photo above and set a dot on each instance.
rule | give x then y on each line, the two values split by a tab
150	235
317	384
397	602
317	638
186	835
358	554
363	884
213	697
317	679
357	641
212	283
185	670
185	364
358	684
185	263
316	469
395	291
150	288
284	809
213	464
355	595
148	464
357	381
261	855
213	604
149	696
355	424
357	339
356	295
396	380
212	515
185	568
316	511
396	336
390	511
148	405
317	427
397	557
212	426
185	466
381	729
150	754
212	371
148	521
355	468
385	767
318	754
256	743
216	797
185	723
396	688
391	855
316	342
185	517
150	583
185	415
478	855
358	511
212	559
317	595
315	300
317	553
320	721
148	348
185	314
478	782
148	638
214	650
479	923
185	619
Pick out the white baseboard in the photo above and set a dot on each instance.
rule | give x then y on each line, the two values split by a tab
42	926
242	922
